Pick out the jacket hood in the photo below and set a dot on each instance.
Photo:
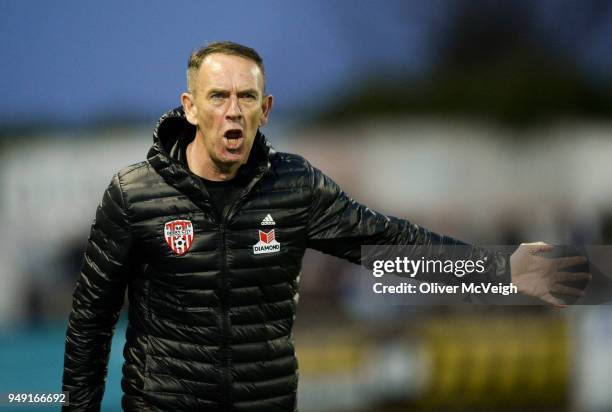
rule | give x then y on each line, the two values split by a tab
171	128
172	131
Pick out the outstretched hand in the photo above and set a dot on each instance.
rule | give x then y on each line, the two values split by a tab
538	276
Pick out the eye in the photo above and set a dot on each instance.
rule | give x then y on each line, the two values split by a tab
218	96
248	96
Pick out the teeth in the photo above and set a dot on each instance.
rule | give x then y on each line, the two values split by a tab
232	143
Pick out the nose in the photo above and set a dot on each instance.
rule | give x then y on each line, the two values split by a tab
233	111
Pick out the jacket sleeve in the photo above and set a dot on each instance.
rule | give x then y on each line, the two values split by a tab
339	226
98	298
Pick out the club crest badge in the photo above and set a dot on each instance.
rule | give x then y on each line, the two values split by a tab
179	235
267	243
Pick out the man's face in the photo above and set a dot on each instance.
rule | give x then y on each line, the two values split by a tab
228	105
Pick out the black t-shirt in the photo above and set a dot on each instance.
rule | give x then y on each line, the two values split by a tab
223	194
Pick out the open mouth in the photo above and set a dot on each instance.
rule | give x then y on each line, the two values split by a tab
233	139
233	134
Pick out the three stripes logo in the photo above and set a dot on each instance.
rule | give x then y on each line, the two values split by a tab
268	221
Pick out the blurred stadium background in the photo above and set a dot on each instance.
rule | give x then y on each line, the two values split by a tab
485	120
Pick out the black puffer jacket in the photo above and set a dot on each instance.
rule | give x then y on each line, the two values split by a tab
210	322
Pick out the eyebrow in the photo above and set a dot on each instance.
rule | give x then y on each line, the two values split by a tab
252	91
224	91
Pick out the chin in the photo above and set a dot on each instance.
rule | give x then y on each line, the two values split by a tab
229	161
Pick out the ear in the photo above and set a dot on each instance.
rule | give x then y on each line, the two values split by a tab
266	107
191	111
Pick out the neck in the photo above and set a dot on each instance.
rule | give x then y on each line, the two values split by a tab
203	166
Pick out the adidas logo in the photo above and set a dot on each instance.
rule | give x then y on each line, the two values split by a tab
268	221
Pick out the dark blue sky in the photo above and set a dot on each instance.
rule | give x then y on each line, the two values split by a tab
74	60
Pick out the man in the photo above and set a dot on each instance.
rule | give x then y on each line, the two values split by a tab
208	235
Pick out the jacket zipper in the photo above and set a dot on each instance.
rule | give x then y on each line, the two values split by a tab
225	326
226	358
